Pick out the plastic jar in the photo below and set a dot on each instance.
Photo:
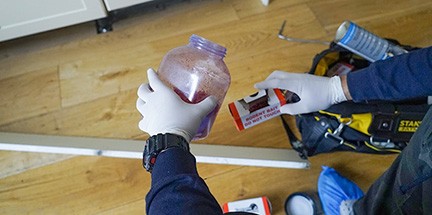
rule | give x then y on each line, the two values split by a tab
196	71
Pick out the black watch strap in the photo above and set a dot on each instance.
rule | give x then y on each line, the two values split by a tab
157	143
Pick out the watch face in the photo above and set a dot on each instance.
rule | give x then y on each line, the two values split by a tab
157	143
146	157
149	162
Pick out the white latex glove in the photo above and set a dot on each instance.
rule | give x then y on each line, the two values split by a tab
315	92
165	112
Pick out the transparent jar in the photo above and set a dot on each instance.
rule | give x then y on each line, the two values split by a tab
196	71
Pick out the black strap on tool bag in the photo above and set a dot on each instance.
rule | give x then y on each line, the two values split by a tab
379	128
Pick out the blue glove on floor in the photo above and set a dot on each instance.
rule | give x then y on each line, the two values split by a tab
334	188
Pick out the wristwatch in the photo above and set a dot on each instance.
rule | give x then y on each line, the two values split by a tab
158	143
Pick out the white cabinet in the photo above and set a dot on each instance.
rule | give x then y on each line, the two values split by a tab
25	17
117	4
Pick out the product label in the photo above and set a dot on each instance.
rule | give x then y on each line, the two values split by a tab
260	206
261	115
408	125
256	108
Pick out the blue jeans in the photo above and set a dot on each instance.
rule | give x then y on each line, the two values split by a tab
406	187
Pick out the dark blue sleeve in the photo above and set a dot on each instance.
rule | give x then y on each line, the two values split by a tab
401	77
177	188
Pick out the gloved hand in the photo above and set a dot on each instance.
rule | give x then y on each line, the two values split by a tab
315	92
165	112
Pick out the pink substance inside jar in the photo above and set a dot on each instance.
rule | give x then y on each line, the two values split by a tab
207	122
196	71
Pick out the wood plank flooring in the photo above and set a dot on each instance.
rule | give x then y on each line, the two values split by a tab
74	82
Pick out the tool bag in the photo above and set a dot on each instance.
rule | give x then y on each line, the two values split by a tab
379	127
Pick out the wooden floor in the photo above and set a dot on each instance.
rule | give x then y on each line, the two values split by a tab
74	82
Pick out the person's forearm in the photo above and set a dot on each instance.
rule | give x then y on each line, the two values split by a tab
176	187
345	87
401	77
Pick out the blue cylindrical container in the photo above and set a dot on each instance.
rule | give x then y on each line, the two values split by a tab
364	43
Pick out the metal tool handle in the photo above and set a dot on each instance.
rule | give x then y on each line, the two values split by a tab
281	36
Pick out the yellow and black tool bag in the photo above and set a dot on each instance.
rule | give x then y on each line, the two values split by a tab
379	127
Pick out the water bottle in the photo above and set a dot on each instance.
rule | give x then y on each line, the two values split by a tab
196	71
